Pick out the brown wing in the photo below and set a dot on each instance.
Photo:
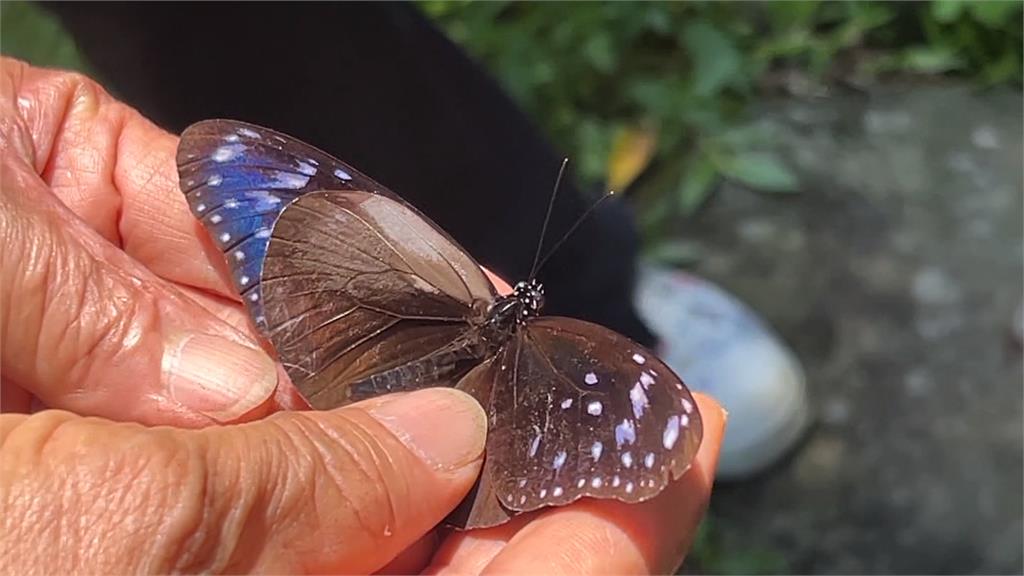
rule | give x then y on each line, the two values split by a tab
362	296
586	412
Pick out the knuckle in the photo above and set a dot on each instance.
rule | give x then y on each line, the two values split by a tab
113	505
83	313
65	312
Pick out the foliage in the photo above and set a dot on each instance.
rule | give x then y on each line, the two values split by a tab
659	88
710	555
34	35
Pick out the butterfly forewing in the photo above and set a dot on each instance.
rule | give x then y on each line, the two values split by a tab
357	285
237	179
584	411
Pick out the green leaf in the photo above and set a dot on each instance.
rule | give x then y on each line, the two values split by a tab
33	34
763	171
717	62
791	15
994	14
695	185
947	11
599	52
931	59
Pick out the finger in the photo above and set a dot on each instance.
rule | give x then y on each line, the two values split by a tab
501	285
342	491
469	552
413	559
86	328
113	168
598	536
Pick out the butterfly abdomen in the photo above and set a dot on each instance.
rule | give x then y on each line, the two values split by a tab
441	368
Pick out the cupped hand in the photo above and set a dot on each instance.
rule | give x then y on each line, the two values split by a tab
116	313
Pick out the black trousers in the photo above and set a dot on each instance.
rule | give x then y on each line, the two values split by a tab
378	86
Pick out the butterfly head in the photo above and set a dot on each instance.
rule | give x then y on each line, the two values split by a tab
530	296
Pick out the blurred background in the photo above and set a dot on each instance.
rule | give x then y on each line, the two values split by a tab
852	171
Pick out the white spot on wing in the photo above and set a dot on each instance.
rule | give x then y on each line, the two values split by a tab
595	450
557	491
590	378
649	460
239	255
639	359
264	199
629	487
225	238
687	405
216	219
638	398
566	403
625	432
581	482
263	233
307	168
534	444
594	408
254	296
200	208
342	175
627	459
671	433
616	481
231	204
543	492
646	379
214	180
249	133
596	482
684	421
227	152
289	180
559	460
244	280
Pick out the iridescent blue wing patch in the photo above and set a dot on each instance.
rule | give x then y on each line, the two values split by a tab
238	177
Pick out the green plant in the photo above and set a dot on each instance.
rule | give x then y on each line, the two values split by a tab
33	34
604	77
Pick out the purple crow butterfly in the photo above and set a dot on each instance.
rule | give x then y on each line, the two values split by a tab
361	294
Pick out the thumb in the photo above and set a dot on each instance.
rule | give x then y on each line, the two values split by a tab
343	491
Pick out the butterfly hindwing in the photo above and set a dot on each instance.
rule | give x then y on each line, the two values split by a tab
586	412
238	177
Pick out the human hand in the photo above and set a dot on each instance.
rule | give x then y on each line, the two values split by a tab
113	303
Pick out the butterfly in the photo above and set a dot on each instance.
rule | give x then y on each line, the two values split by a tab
361	295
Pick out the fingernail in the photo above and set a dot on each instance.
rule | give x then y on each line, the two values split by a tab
443	426
217	377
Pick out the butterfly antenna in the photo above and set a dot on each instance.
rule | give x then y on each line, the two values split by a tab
581	219
547	218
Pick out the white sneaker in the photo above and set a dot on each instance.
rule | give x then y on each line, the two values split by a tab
720	347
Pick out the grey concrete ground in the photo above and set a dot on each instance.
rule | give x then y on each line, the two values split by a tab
895	276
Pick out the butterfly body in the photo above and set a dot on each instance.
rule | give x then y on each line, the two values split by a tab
362	295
